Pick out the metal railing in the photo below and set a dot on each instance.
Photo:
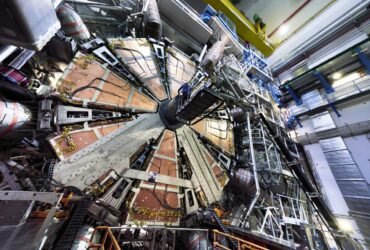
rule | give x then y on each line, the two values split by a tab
340	92
293	210
106	240
242	244
350	88
112	238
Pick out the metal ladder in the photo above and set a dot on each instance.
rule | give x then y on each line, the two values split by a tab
289	233
74	225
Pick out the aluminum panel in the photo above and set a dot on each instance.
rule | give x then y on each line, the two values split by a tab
346	171
186	19
339	157
112	151
323	121
331	144
356	204
363	224
355	188
312	99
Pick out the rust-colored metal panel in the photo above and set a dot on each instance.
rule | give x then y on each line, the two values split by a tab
158	203
92	82
218	132
180	70
81	72
137	54
164	160
80	139
105	130
114	85
167	146
142	102
217	170
148	207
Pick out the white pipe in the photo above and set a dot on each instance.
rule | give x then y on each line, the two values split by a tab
5	51
258	191
202	53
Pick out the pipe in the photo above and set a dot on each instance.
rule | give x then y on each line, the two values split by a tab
153	24
202	53
289	17
5	51
258	191
214	54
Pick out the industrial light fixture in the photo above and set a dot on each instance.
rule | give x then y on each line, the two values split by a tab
337	75
283	29
345	225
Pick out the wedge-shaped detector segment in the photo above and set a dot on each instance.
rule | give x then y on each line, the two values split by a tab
87	81
180	69
138	55
217	132
159	203
112	151
71	142
207	175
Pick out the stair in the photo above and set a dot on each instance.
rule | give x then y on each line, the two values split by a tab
74	225
197	105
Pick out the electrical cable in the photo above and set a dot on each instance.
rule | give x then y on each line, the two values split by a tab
143	57
127	87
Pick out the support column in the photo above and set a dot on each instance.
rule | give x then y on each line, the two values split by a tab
365	61
291	91
324	83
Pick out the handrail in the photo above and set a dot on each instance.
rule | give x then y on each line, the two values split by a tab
359	85
254	168
111	240
248	245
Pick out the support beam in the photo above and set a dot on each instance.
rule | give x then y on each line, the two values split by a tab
245	28
324	83
365	61
291	91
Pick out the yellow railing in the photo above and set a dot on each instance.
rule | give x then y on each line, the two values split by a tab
104	239
242	244
107	241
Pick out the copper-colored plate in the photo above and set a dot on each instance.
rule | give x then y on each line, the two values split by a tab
106	88
146	206
166	148
141	62
81	139
180	70
167	144
222	138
